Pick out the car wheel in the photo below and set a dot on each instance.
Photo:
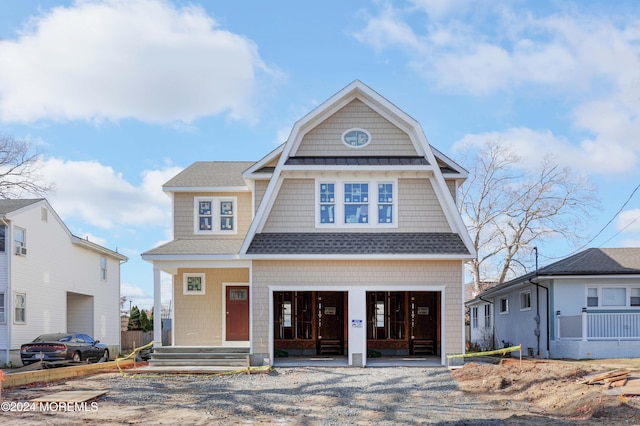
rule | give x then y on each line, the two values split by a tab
76	357
105	356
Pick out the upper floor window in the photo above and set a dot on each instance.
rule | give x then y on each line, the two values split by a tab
20	240
357	203
103	268
3	233
356	138
215	215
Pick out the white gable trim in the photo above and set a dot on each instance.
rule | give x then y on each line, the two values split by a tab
392	113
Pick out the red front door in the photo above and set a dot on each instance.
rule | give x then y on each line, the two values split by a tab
237	313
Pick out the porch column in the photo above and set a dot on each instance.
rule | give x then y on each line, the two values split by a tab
584	324
357	318
157	307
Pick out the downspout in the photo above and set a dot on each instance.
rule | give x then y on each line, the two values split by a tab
7	296
538	286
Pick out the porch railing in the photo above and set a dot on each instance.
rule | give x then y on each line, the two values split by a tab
598	326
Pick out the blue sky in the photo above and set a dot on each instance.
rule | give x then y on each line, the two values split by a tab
123	94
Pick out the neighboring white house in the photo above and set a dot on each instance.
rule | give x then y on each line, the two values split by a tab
585	306
52	281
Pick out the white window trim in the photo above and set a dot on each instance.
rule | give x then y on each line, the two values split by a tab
356	129
20	247
215	215
522	293
487	324
372	202
15	294
600	287
187	275
506	311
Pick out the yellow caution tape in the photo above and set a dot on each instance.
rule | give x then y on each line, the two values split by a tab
132	354
502	351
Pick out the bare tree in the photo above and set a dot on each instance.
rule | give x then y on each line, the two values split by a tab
510	208
20	163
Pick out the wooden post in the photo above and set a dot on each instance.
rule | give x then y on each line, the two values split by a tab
134	354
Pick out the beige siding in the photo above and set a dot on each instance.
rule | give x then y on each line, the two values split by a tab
418	209
451	185
198	318
260	189
326	138
183	219
361	273
293	210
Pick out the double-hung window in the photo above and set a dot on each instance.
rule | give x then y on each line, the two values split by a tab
20	308
327	202
3	317
20	240
103	268
487	316
215	215
356	203
474	317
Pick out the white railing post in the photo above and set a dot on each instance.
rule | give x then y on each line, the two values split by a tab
584	324
558	325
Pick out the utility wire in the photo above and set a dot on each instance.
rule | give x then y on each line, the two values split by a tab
603	228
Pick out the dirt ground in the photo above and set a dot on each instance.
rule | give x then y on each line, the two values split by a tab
534	392
555	389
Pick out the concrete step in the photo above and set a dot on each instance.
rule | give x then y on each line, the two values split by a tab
189	355
239	363
197	349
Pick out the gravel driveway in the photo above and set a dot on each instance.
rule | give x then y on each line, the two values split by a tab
301	395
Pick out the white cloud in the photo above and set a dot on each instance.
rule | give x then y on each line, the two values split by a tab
98	195
115	59
534	145
629	221
587	62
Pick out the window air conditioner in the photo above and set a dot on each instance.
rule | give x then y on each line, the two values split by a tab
21	251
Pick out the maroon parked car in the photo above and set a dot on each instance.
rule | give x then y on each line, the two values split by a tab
63	346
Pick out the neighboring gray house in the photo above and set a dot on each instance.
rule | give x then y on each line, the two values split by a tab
585	306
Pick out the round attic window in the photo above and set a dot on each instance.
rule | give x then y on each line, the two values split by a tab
356	138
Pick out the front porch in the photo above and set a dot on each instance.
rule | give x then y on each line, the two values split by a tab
596	335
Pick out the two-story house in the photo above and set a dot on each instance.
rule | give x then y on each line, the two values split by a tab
52	281
344	240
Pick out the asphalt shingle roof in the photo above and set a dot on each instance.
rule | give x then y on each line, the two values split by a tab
597	261
357	243
209	246
211	174
593	261
7	206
